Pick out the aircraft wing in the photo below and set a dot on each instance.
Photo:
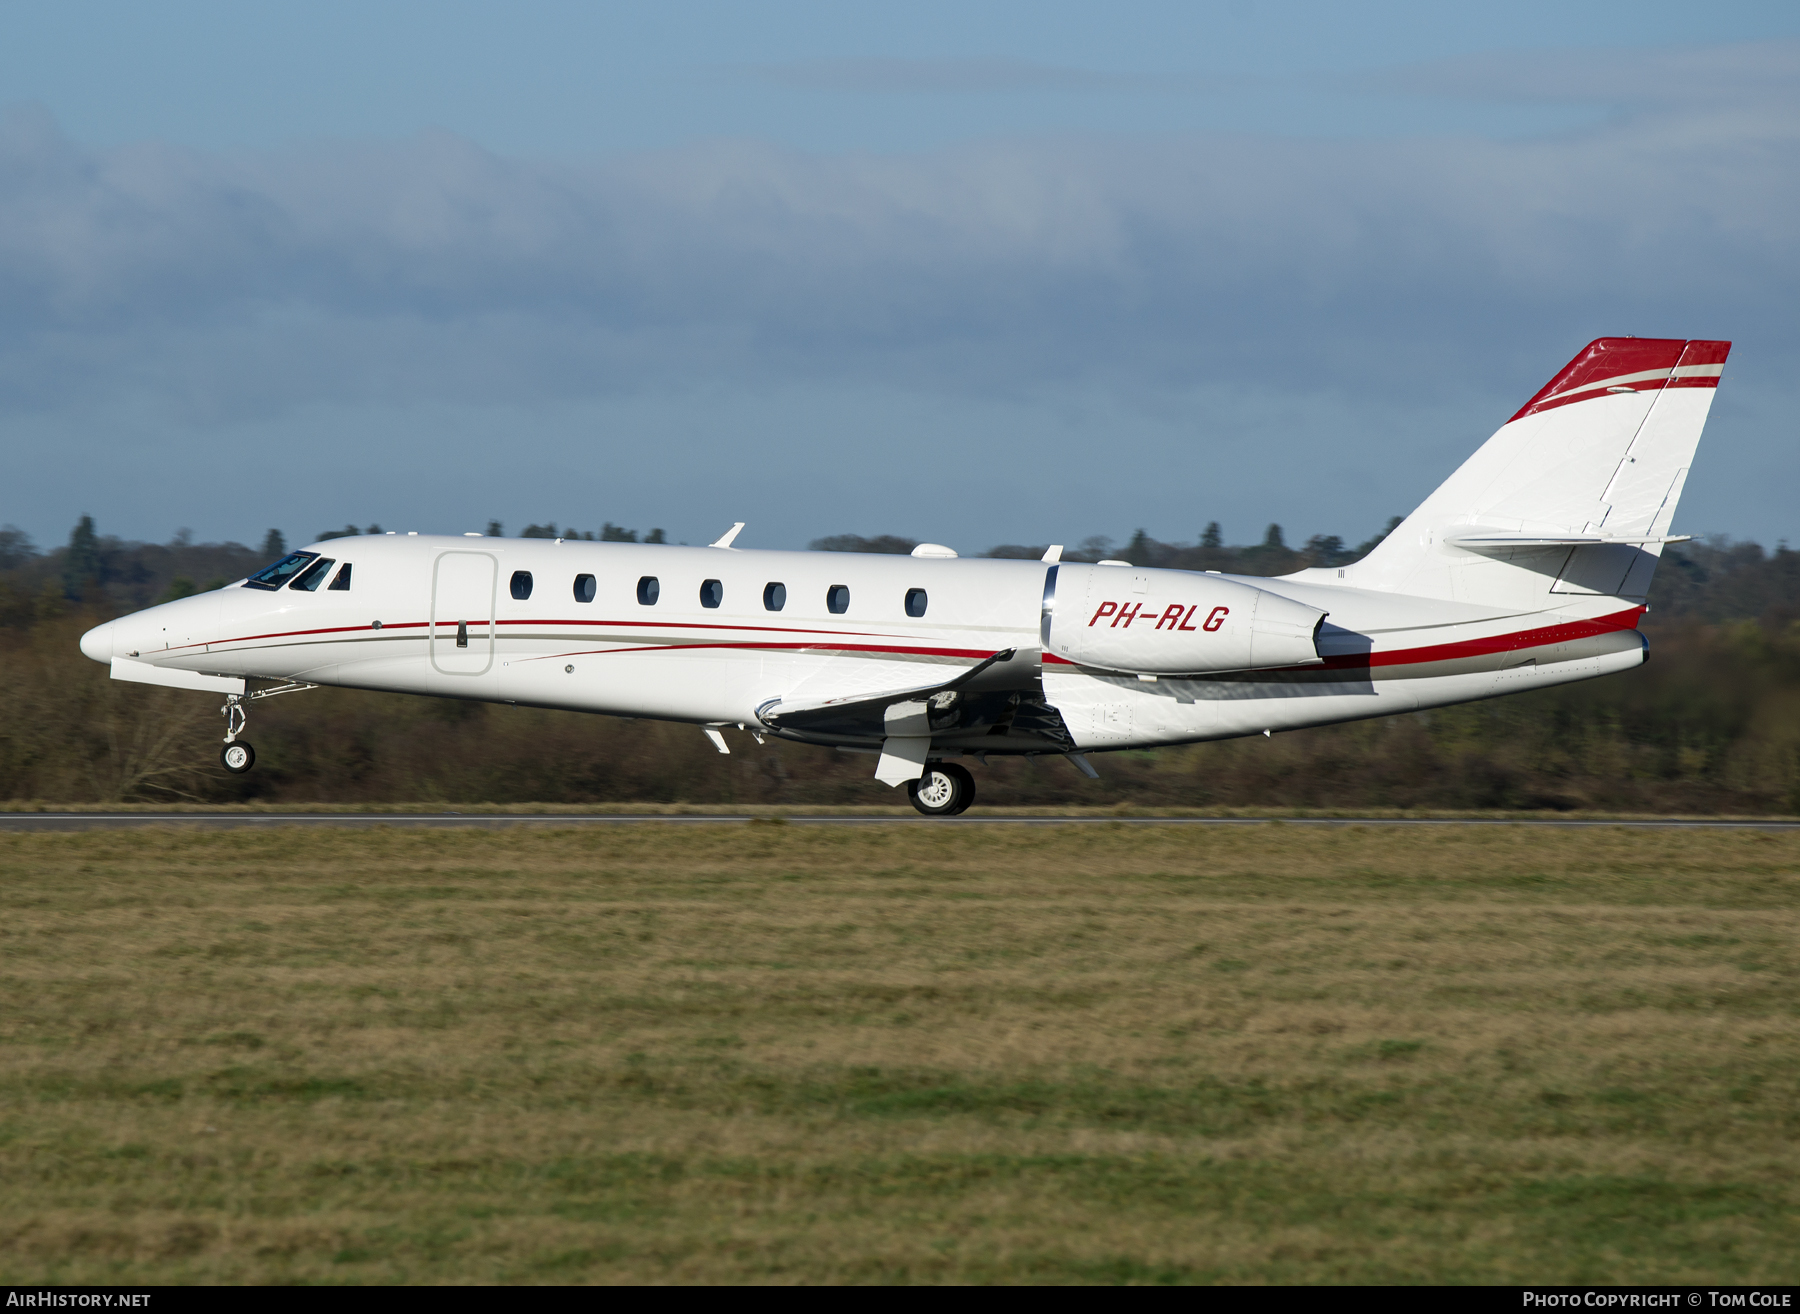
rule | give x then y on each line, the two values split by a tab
1000	695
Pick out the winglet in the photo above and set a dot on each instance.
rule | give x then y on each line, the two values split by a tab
728	535
1052	554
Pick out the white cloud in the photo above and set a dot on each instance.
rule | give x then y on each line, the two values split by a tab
215	285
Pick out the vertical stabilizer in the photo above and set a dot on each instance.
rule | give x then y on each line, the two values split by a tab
1572	495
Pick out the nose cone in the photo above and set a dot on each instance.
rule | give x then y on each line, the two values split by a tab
97	643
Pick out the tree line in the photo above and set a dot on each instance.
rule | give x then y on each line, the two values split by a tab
1711	725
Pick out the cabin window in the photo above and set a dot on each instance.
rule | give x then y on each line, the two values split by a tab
774	597
342	583
837	599
915	602
648	591
712	593
273	577
584	588
521	584
313	576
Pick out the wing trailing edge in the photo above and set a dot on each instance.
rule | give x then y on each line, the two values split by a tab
778	715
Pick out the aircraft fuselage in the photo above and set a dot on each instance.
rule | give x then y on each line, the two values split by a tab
439	616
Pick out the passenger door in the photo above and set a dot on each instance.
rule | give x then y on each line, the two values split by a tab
462	612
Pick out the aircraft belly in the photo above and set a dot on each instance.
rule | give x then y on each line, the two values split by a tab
1109	712
664	685
701	683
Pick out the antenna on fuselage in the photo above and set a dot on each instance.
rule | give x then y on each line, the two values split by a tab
728	535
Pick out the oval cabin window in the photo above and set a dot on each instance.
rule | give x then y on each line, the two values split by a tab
521	584
915	602
712	593
774	597
584	588
837	599
648	591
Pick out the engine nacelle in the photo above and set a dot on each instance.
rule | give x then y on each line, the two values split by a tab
1172	622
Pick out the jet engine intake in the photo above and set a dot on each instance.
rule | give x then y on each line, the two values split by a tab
1172	622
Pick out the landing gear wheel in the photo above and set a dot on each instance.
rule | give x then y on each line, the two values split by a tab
965	788
943	791
237	757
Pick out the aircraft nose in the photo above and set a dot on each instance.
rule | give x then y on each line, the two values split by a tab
97	643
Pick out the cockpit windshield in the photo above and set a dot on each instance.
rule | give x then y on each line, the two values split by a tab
314	575
273	577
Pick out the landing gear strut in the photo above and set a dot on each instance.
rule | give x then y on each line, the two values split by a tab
237	756
945	790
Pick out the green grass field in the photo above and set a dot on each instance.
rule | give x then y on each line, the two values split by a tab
759	1052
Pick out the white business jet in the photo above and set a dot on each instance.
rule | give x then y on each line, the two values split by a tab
1527	568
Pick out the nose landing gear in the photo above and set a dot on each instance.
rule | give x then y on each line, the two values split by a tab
237	756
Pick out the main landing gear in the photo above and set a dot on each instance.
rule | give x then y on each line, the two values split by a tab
945	790
237	756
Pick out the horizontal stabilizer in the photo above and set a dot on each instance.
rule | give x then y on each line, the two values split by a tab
1492	543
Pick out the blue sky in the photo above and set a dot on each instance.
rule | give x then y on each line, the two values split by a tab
981	274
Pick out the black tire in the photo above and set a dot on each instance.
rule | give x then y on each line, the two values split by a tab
237	757
943	791
967	782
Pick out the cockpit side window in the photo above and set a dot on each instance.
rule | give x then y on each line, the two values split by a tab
342	583
273	577
314	575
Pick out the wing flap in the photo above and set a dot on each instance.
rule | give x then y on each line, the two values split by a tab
871	709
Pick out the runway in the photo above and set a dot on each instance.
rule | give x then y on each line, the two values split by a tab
71	821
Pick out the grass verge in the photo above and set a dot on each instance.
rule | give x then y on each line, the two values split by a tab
775	1053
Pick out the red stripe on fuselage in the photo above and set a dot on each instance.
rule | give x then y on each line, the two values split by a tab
633	624
1443	652
980	653
1499	643
690	625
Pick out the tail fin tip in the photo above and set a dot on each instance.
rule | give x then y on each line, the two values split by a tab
1635	364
